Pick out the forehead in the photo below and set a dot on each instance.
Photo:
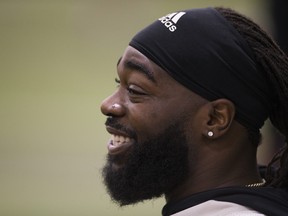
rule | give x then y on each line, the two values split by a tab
133	60
131	53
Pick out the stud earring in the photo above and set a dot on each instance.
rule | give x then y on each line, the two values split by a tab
114	106
210	133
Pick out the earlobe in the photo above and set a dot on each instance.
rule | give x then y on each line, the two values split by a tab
221	115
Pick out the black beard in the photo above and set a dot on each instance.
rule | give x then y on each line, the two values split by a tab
151	169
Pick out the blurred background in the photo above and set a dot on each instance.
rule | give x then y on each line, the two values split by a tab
57	63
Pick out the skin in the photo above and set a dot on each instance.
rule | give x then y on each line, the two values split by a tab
150	102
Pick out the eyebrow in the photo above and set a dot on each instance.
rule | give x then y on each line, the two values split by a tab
132	65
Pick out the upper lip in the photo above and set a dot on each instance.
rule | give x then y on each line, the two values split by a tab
114	131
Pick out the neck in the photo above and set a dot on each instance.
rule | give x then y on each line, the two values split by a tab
203	183
217	171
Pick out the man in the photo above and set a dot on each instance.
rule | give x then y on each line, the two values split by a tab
194	89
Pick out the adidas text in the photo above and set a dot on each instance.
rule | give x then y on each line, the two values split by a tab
171	20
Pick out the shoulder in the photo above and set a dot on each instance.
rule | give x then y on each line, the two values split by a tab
218	208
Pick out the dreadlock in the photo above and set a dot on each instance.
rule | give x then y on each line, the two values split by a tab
274	64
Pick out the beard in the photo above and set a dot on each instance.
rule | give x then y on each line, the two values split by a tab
151	168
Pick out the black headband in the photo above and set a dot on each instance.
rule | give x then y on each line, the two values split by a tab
201	50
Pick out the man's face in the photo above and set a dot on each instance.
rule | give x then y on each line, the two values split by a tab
149	148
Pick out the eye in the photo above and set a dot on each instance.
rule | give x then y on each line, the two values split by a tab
133	90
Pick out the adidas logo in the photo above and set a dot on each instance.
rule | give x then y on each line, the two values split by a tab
170	20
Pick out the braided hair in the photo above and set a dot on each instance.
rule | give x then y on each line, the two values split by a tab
274	64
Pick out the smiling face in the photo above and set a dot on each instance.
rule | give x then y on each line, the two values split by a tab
149	116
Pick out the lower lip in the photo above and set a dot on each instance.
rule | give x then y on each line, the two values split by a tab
119	149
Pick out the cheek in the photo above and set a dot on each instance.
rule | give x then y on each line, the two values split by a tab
142	118
152	120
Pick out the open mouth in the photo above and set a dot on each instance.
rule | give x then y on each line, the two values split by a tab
119	144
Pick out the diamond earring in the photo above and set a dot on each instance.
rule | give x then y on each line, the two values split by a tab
210	133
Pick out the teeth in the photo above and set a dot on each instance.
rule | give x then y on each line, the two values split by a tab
118	140
122	139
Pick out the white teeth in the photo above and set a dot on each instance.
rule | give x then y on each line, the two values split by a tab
122	139
118	140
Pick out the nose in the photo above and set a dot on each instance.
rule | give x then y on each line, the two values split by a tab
112	107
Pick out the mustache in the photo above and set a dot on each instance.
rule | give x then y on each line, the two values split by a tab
114	123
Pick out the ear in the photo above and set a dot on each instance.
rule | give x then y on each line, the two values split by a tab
220	117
